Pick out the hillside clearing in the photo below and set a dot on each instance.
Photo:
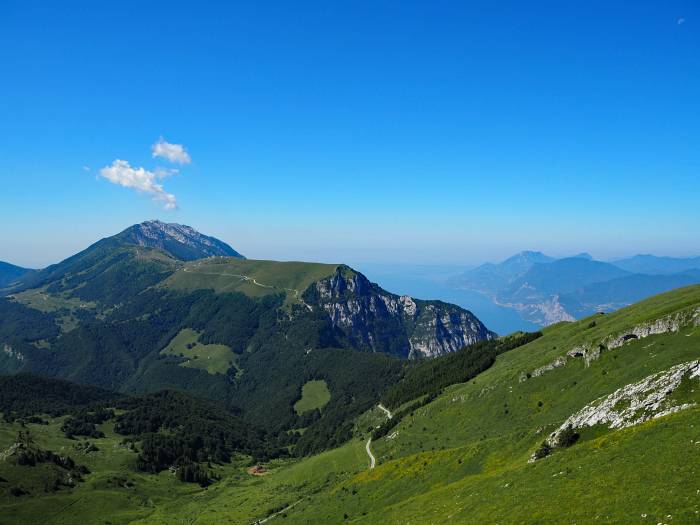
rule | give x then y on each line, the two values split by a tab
214	359
314	395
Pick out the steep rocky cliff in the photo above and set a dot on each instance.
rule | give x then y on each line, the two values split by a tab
376	320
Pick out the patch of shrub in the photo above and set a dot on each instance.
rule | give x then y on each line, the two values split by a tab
190	472
567	437
544	450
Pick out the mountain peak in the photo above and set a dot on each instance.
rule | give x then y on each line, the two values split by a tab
179	240
526	258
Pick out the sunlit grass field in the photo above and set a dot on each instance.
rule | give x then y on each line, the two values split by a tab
251	277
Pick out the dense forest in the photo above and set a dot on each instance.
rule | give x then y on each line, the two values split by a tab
429	376
175	426
172	428
278	350
21	324
24	395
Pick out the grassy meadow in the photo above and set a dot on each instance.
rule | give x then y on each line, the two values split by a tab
314	394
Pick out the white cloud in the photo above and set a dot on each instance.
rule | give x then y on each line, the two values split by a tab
172	152
121	173
86	168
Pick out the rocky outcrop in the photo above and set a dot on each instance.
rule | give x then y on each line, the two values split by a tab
670	323
373	319
181	241
650	398
559	361
591	351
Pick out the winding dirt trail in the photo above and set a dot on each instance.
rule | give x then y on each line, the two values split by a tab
372	459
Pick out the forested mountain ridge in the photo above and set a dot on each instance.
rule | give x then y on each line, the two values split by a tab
166	430
148	242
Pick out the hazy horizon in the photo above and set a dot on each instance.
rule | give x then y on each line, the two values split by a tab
32	254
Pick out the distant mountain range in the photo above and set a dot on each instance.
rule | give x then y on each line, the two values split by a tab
547	290
651	264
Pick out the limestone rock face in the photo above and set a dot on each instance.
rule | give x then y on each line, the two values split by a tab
376	320
637	402
181	241
590	351
671	323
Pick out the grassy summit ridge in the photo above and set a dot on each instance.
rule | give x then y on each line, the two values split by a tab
251	277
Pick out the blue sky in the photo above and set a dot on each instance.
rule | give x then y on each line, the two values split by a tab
427	132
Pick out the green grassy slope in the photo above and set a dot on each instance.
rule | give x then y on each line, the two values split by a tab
108	272
67	308
254	278
465	455
642	474
244	499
